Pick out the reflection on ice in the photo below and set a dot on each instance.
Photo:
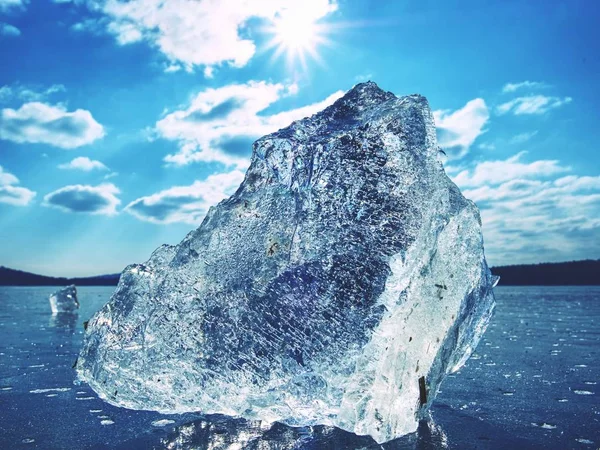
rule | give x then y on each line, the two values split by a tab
66	322
221	432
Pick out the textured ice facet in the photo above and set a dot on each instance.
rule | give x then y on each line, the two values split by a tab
337	286
64	300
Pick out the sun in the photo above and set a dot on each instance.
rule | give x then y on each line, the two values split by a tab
297	35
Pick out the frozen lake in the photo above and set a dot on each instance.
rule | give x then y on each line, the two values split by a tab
532	383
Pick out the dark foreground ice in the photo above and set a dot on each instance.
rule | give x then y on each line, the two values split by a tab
531	384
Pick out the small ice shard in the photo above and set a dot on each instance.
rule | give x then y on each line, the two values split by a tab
582	392
346	268
44	391
162	422
64	300
546	426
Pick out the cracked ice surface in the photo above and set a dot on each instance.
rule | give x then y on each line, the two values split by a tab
346	267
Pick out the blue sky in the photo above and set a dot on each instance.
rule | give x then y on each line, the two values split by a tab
122	122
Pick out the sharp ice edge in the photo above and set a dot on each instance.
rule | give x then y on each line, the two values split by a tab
345	267
64	300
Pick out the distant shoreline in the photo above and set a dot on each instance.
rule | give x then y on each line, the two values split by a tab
571	273
12	277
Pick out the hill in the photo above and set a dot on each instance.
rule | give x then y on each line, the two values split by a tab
12	277
571	273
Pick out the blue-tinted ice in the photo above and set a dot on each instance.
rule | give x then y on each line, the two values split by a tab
64	300
338	286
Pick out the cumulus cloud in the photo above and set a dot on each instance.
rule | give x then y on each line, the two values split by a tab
187	204
27	93
495	172
200	33
532	104
32	93
220	124
12	194
457	130
37	122
80	198
512	87
7	29
83	163
532	212
6	5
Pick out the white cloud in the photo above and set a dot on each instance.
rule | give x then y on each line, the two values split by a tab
7	29
37	122
7	178
220	124
91	25
496	172
532	104
522	137
83	163
79	198
572	182
200	33
187	204
512	87
172	68
6	93
6	5
11	194
28	93
530	215
457	130
487	146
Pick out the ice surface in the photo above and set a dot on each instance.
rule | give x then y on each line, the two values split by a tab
64	300
338	286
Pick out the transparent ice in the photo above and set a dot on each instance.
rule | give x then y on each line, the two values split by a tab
64	300
338	286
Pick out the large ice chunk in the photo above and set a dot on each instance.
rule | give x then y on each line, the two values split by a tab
337	286
64	300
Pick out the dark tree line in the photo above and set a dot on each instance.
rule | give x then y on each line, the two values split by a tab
570	273
11	277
